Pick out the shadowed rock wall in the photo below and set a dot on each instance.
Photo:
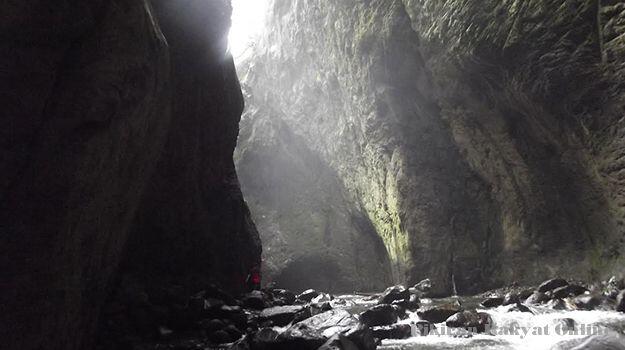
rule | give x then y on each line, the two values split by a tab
91	107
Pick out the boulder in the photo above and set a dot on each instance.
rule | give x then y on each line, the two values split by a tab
477	322
564	325
302	315
438	313
211	326
552	284
510	298
233	331
339	342
281	315
588	301
395	293
283	296
379	315
308	295
411	304
620	301
255	300
220	337
492	302
328	323
396	331
571	290
518	307
264	339
424	327
363	337
423	287
537	298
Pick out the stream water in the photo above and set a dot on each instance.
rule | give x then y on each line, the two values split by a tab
541	329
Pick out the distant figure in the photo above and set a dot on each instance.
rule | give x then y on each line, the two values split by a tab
253	279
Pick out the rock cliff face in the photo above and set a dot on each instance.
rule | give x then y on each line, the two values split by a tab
103	117
482	139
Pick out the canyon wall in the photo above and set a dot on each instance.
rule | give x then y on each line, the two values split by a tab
482	139
105	117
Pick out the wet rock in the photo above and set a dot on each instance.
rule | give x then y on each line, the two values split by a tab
424	286
612	341
329	323
214	292
234	332
255	300
379	315
564	325
525	293
281	315
438	313
411	304
302	315
308	295
476	322
537	298
220	337
492	302
301	336
211	326
283	296
620	301
588	302
571	290
552	284
363	337
560	304
396	331
424	327
264	339
322	298
234	314
518	307
339	342
394	293
511	298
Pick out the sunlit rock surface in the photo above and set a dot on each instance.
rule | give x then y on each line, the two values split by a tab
482	140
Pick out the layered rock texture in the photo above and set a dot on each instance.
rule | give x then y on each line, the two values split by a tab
105	116
483	140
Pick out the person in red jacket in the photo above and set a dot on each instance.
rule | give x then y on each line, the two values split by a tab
253	279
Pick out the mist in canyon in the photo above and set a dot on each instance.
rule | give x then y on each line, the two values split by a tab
306	174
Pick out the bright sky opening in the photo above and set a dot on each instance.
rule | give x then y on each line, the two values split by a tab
248	21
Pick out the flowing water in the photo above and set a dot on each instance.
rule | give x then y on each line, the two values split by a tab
510	330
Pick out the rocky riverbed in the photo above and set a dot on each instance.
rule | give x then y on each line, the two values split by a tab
557	314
